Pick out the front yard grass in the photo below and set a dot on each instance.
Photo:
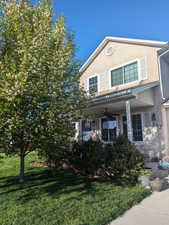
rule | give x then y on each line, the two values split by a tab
60	199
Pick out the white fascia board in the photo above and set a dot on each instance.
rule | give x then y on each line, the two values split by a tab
138	41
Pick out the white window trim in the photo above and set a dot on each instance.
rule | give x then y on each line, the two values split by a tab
122	65
98	83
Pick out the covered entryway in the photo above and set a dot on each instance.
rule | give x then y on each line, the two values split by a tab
117	113
131	112
109	129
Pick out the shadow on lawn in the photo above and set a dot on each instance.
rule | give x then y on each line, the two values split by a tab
37	183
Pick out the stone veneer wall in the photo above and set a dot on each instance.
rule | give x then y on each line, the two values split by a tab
153	145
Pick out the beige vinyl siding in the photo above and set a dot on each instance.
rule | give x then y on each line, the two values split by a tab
104	81
123	54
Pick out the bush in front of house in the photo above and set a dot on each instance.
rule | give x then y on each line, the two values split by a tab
54	155
87	157
119	161
124	161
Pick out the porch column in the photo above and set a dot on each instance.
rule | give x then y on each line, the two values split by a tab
77	128
129	123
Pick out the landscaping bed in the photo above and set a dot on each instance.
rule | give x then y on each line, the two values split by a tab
60	199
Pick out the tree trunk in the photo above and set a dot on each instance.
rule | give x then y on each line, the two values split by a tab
22	166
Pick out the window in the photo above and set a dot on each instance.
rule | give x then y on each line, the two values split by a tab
86	130
109	129
136	125
125	126
137	128
125	74
117	77
86	125
93	85
130	73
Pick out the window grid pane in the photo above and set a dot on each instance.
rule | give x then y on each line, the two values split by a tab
93	88
130	73
125	74
137	127
117	77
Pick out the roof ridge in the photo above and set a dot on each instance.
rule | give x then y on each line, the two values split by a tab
134	40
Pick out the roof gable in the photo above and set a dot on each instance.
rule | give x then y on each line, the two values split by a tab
155	44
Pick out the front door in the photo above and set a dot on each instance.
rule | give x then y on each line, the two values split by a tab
109	129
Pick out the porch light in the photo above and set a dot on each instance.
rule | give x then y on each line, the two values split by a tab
153	117
93	122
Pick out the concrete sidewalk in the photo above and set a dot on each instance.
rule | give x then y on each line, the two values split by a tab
153	210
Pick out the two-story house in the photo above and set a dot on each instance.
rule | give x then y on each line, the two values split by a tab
122	81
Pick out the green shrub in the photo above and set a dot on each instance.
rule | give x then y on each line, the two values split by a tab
125	160
54	155
120	161
87	157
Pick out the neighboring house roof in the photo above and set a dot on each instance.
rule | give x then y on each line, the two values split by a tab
156	44
163	49
163	62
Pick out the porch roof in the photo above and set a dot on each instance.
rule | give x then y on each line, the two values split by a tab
121	95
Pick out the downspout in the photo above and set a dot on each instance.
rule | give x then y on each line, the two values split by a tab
159	57
163	109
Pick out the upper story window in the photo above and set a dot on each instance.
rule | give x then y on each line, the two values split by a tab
124	74
93	85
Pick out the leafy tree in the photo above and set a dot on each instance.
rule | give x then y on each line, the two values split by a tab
39	89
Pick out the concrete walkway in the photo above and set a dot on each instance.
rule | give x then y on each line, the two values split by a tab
153	210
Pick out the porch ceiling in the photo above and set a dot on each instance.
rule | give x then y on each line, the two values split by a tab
116	107
116	102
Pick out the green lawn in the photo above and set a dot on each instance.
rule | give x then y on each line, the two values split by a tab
63	199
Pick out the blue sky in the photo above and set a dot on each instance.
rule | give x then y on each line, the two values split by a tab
92	20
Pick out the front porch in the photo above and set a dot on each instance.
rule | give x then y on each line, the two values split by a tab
108	125
130	112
